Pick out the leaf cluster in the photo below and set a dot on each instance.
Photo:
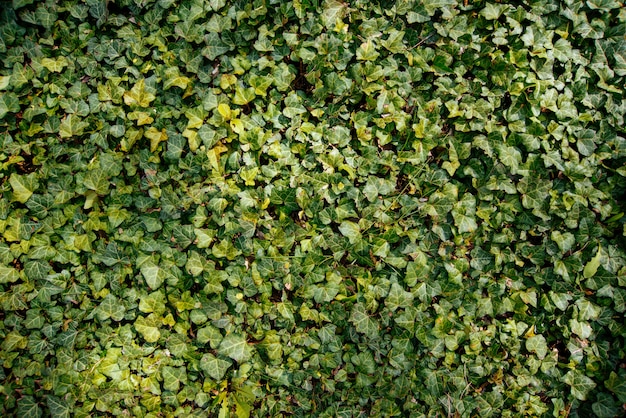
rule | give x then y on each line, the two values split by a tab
312	208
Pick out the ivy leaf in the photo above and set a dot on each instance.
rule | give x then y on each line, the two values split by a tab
97	181
9	102
148	327
54	65
8	274
236	347
591	268
616	383
332	12
27	407
580	384
537	344
58	407
215	367
398	297
153	274
72	126
173	377
139	95
493	11
23	186
363	323
111	307
534	191
156	137
367	51
14	341
214	46
351	230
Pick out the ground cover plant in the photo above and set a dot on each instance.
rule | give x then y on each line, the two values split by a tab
312	208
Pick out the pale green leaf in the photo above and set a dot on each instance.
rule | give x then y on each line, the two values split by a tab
350	230
215	367
72	125
139	95
580	384
173	377
591	268
23	186
362	321
236	347
537	344
398	297
148	327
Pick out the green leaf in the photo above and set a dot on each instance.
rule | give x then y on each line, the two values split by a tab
17	4
332	11
214	46
587	310
72	126
398	297
139	95
153	274
580	384
23	186
14	341
236	347
591	268
148	327
97	181
350	230
215	367
173	377
616	383
54	65
537	344
605	406
27	407
534	191
362	321
604	5
9	102
111	307
367	51
431	6
58	407
493	11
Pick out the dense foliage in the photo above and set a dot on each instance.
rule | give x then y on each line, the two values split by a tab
312	208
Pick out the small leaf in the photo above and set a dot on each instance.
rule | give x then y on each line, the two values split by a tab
156	137
111	307
14	341
153	274
9	102
398	297
616	383
367	51
97	181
